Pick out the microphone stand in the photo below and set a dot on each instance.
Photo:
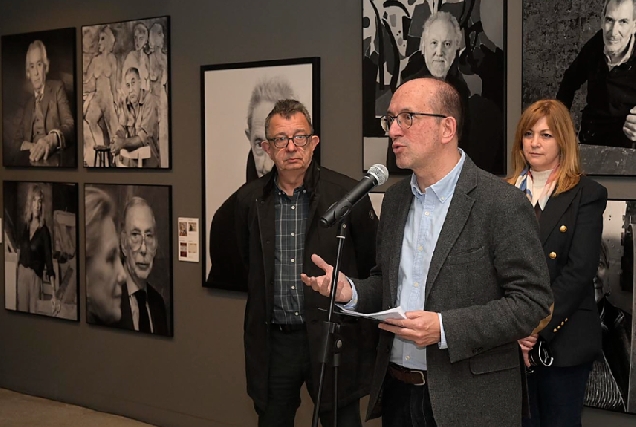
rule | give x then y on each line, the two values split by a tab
332	341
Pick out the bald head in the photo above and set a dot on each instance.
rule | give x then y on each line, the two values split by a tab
437	96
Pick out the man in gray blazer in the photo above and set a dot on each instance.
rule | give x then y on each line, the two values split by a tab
458	249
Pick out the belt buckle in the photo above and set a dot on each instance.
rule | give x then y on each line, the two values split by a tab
421	373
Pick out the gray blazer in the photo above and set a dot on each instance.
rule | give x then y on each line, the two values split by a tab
489	280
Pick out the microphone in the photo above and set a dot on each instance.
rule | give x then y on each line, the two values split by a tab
376	175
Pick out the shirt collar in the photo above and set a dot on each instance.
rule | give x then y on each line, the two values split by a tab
623	58
444	188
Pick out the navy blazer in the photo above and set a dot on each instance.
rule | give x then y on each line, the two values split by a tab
571	225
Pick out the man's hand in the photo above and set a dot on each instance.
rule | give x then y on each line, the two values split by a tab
322	284
43	147
526	345
421	327
629	128
116	145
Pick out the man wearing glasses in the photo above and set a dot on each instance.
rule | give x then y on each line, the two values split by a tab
459	251
142	307
278	229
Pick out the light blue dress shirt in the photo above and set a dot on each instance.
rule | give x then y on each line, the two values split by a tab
423	225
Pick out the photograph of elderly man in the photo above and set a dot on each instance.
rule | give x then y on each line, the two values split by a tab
461	42
135	289
125	94
38	99
591	49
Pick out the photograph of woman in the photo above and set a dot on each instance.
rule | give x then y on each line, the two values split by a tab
569	207
40	262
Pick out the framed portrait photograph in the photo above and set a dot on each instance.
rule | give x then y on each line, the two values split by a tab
39	99
126	94
40	248
571	53
129	257
235	101
462	42
612	381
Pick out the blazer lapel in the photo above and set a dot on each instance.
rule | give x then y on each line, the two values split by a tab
458	213
397	227
554	210
46	97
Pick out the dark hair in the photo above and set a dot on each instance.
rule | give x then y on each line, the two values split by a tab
287	108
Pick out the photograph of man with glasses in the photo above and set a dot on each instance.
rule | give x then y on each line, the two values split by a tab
143	214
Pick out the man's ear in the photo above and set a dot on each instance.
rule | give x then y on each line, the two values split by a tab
247	135
449	129
122	237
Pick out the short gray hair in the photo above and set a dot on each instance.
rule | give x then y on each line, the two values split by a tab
619	2
287	108
270	89
37	44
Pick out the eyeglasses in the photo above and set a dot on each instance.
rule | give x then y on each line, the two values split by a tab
283	141
404	119
137	238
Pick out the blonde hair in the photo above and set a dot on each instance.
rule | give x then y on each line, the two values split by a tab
560	123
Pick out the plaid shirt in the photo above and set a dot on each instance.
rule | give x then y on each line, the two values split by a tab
291	226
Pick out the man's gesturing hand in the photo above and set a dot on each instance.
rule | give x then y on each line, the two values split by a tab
322	284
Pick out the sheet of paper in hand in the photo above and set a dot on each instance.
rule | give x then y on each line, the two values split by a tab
393	313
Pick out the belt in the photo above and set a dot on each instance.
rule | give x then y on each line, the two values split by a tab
288	328
406	375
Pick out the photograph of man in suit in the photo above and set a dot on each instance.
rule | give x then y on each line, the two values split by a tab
142	307
459	251
47	124
608	65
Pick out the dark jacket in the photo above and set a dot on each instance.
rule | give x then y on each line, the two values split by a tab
571	226
157	311
610	94
256	235
489	281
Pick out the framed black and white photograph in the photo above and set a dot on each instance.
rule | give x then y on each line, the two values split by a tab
235	101
581	53
126	94
612	382
129	257
461	41
40	248
39	99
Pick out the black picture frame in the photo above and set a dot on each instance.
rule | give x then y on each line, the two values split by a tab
107	202
41	267
612	384
391	54
554	34
142	44
58	104
227	139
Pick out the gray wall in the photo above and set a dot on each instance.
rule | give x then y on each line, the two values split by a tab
197	378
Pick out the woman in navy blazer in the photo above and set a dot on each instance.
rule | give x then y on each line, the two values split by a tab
569	208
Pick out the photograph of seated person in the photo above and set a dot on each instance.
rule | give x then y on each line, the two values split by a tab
569	207
44	128
608	65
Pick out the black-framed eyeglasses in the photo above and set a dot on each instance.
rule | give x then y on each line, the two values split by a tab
404	119
283	140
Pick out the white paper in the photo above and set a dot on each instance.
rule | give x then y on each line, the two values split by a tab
188	239
394	313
